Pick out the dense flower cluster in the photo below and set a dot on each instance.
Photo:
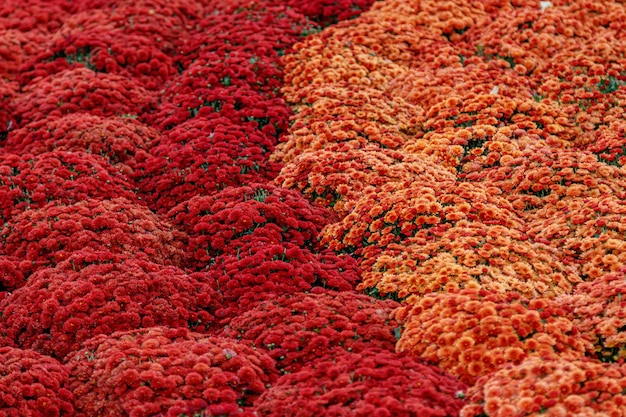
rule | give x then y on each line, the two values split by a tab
257	269
196	195
544	176
59	308
40	16
109	51
142	373
32	181
507	190
121	141
111	111
11	276
339	175
82	90
165	22
8	92
215	223
473	332
372	382
297	329
597	309
239	104
34	385
46	236
269	31
201	157
416	238
552	386
349	113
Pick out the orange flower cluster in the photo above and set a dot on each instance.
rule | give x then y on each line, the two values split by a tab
609	143
597	309
545	176
588	86
417	238
570	200
540	35
588	231
351	113
550	387
339	175
448	18
473	332
474	152
494	110
427	85
326	60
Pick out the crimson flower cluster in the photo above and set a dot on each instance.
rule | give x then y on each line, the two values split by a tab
11	276
82	90
259	270
214	223
59	308
32	384
373	382
167	23
202	157
121	141
46	236
108	51
32	181
269	31
142	373
296	329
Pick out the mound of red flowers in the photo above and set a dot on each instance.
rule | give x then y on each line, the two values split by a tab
156	370
32	384
296	329
373	382
59	308
48	235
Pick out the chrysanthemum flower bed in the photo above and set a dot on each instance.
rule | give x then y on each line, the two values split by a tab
334	207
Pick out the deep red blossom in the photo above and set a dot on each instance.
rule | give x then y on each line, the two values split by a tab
17	47
213	222
201	157
82	90
262	29
8	92
236	68
239	104
324	12
32	15
297	329
34	385
150	371
11	277
122	141
167	22
46	236
254	270
103	50
32	181
61	307
373	382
